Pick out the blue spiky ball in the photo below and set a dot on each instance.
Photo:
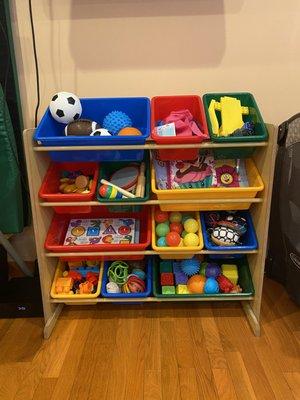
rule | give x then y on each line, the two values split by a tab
115	121
190	267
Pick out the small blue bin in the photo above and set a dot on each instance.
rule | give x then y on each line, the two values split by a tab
128	295
249	238
51	133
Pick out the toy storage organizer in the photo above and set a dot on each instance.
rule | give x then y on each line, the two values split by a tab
38	162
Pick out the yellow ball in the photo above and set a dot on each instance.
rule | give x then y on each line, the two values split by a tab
191	240
191	225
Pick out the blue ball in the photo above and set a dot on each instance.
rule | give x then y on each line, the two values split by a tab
190	267
161	242
115	121
211	286
139	273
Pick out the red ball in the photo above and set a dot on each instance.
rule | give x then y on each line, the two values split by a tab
160	216
176	227
103	190
173	239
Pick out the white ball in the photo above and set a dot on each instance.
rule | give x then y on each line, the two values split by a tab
112	287
100	132
65	107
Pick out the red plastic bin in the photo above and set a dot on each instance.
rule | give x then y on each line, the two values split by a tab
59	225
161	106
49	190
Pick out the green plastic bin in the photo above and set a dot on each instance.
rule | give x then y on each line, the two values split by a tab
106	170
261	133
245	280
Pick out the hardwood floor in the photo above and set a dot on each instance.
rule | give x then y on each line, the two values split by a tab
158	351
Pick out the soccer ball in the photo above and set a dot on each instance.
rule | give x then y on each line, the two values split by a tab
100	132
65	107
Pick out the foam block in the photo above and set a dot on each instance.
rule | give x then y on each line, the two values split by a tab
176	266
167	279
165	266
168	290
180	278
231	272
182	289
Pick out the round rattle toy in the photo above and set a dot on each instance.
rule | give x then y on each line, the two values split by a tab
191	225
134	285
191	240
175	216
109	192
118	272
160	216
162	229
173	239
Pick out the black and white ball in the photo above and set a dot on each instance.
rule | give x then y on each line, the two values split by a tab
224	236
65	107
100	132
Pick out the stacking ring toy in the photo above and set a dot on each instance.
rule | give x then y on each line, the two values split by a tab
118	272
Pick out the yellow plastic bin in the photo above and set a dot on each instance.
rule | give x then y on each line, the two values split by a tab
59	273
177	251
254	179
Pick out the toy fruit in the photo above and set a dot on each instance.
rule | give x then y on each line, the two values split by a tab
129	131
225	284
160	216
175	216
191	225
173	239
211	286
196	284
191	240
161	242
176	227
162	229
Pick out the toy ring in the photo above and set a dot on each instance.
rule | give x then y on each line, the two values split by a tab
118	272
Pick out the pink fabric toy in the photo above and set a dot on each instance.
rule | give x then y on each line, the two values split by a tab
184	123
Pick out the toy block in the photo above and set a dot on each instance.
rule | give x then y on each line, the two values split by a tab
168	290
176	266
63	285
180	278
182	289
167	279
165	266
203	268
231	272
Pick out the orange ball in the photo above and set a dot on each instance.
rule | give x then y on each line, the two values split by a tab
196	284
173	239
130	131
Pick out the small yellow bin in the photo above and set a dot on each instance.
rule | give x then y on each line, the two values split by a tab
59	273
255	185
177	251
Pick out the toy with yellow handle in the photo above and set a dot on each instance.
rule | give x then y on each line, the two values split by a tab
231	115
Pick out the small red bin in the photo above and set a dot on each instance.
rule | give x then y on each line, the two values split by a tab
59	225
49	190
161	107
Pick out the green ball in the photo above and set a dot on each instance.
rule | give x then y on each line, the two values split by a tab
162	229
183	234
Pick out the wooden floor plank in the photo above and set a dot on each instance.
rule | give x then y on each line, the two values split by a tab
155	352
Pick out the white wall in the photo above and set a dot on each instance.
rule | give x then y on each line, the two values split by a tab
149	47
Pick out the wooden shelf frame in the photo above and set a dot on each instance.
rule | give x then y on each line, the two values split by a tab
38	161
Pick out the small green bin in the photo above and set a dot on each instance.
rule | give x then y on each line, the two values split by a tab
261	133
245	281
106	170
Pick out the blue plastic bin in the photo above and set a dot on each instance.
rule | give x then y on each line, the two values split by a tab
249	238
51	133
128	295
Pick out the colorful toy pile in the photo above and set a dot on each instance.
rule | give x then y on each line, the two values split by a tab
175	229
126	277
195	277
78	278
226	228
75	182
66	108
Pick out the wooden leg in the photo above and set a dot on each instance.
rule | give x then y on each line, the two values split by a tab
253	321
50	323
